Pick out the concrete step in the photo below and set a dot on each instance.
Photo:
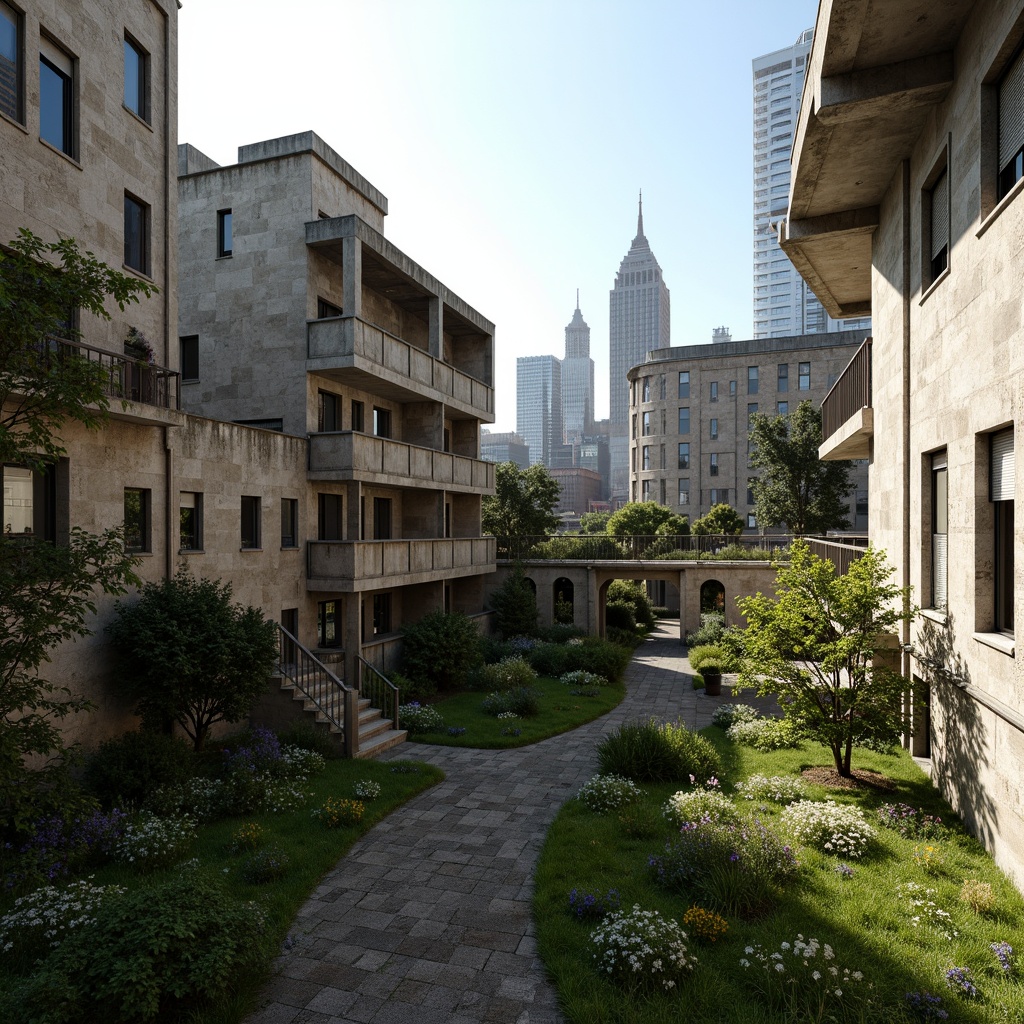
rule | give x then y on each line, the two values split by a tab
381	742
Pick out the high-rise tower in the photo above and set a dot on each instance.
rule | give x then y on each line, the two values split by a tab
639	324
539	405
577	379
783	303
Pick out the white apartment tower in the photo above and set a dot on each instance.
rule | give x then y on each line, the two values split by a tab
784	304
577	379
539	405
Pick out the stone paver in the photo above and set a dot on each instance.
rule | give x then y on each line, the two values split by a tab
427	918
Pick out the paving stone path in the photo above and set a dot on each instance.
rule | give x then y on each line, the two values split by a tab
427	919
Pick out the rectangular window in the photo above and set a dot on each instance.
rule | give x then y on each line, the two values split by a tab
684	420
713	464
250	523
223	233
782	408
289	522
328	624
751	412
632	463
190	514
1002	483
714	429
382	519
328	412
11	62
381	422
783	376
56	98
137	520
646	390
357	416
325	309
937	201
714	391
1011	126
647	457
633	434
684	456
940	518
750	490
381	613
661	387
805	377
647	424
684	384
645	490
751	521
188	351
684	492
136	90
752	380
330	522
732	389
136	234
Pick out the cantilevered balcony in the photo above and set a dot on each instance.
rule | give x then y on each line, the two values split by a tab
847	419
349	566
348	455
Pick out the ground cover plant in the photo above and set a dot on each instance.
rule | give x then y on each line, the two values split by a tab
829	937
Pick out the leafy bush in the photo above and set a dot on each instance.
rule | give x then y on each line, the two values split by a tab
308	737
419	718
440	649
641	951
124	770
603	793
655	752
627	639
422	689
580	677
367	789
833	828
509	673
712	626
339	813
549	659
149	842
515	605
592	906
634	593
708	655
765	734
265	865
705	925
779	789
559	633
620	615
699	805
522	702
910	822
727	714
597	655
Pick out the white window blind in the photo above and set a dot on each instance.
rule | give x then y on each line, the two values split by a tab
1002	476
1011	112
940	215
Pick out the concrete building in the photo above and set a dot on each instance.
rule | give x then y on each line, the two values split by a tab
784	304
690	408
504	447
539	406
580	487
639	323
577	380
907	203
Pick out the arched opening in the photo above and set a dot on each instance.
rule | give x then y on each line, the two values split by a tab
564	595
712	597
532	585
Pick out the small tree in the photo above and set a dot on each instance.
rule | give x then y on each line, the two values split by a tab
515	605
440	649
720	519
815	643
633	593
523	502
594	522
795	487
191	656
647	519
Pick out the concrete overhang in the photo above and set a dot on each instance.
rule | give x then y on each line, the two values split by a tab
852	440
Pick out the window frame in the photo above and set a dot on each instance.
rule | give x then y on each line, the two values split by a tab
52	56
1009	167
141	78
713	464
713	391
684	420
382	518
381	422
188	358
145	525
684	384
289	523
782	383
804	377
328	412
17	21
753	380
196	538
225	238
357	416
645	425
143	241
322	639
326	310
251	509
939	505
1002	453
683	492
645	460
381	622
684	457
330	516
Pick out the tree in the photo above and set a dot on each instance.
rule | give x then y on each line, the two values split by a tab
523	502
814	644
191	656
720	519
440	650
515	605
795	487
647	519
594	522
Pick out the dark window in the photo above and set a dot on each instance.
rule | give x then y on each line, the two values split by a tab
750	490
646	390
330	508
136	234
633	429
190	513
645	490
136	62
189	353
684	455
713	465
647	456
381	422
382	519
940	508
684	384
224	245
684	420
805	377
1011	125
30	502
289	522
752	380
751	411
137	519
732	389
714	429
446	440
938	245
714	391
684	492
782	408
357	415
250	521
632	463
661	387
381	613
646	424
11	36
783	376
56	99
329	413
326	309
1002	482
328	624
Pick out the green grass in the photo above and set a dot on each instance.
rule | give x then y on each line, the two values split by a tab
559	712
860	917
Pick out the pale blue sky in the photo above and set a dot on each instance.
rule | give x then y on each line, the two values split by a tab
511	138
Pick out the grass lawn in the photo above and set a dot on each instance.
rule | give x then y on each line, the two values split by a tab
869	924
559	712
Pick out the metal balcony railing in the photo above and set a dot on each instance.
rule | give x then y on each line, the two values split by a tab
850	393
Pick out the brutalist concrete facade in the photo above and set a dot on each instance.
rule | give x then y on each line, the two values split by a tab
907	203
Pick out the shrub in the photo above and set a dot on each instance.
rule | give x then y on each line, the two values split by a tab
440	649
726	714
523	702
627	639
620	615
597	655
247	837
419	718
580	677
779	789
123	771
410	690
264	866
833	828
603	793
712	626
641	951
367	789
699	805
978	896
765	734
559	633
633	593
592	906
705	925
199	798
515	605
339	813
716	655
149	842
909	822
654	752
309	737
549	659
509	673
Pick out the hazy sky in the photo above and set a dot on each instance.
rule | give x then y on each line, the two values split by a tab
511	138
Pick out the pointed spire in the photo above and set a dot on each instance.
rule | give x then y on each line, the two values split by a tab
577	298
640	217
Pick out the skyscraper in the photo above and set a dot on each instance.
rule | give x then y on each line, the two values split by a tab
577	379
639	323
784	305
539	405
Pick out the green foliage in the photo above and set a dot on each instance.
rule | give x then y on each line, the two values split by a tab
190	655
523	701
814	645
440	648
308	737
523	502
515	604
125	770
712	656
647	519
620	615
719	520
654	752
712	626
577	547
634	593
594	522
509	673
795	487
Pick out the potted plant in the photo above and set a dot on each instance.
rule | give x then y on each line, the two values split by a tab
712	674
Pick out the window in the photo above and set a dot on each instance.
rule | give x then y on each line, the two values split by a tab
647	457
646	390
752	380
11	62
719	495
713	429
188	349
381	422
56	98
223	233
645	490
357	415
137	519
1002	482
1011	126
937	203
661	387
633	433
632	462
330	509
136	234
382	519
805	377
783	377
684	492
646	424
750	490
381	613
732	389
329	412
325	309
684	456
751	412
713	464
714	391
136	91
328	624
684	384
190	517
684	420
940	506
250	522
782	408
289	522
751	521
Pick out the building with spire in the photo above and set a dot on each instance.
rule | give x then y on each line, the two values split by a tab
639	323
539	406
577	379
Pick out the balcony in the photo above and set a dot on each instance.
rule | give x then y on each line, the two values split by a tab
371	358
380	460
847	419
351	566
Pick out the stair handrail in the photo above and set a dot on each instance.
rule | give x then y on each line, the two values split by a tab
379	690
313	679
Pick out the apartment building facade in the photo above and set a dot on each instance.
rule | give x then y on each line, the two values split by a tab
908	203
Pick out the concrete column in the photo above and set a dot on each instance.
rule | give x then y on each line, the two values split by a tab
353	636
436	327
682	602
352	275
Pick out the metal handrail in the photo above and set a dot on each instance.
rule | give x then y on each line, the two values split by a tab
379	690
603	547
313	679
849	394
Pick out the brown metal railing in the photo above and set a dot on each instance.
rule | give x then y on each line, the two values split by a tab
850	393
379	691
842	554
313	679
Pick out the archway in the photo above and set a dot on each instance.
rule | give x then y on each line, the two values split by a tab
712	597
563	592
